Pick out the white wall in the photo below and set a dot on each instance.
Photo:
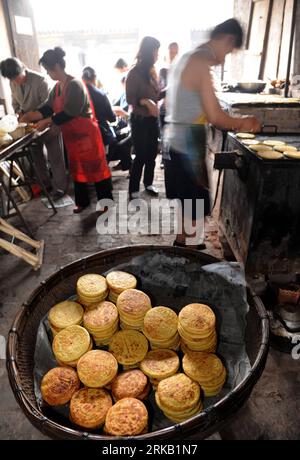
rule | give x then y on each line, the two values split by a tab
5	52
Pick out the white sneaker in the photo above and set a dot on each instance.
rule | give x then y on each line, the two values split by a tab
152	190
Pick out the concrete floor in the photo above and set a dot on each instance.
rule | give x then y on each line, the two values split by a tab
272	411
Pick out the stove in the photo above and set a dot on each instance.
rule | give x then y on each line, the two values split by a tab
260	207
260	220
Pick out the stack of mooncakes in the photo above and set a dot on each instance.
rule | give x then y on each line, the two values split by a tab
70	345
159	365
129	348
161	328
133	306
91	290
119	282
65	314
179	398
206	369
102	322
197	328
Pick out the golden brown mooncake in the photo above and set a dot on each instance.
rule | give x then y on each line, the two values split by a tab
160	364
120	281
71	343
128	417
129	347
133	303
66	314
97	368
59	385
129	384
104	316
197	320
89	407
178	393
160	324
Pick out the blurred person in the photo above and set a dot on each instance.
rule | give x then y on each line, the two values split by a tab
121	65
173	49
106	114
191	105
103	109
143	94
30	91
70	108
115	85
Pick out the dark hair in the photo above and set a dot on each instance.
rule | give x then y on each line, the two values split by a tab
120	64
11	68
52	57
145	55
171	45
89	73
230	27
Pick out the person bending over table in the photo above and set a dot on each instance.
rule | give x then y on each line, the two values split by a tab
70	108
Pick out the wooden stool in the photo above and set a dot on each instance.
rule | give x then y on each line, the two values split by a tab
35	260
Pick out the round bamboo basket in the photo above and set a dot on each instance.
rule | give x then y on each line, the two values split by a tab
22	340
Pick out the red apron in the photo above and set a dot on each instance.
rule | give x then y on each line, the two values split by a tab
82	137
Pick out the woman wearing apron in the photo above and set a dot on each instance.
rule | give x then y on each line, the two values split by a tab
70	108
191	104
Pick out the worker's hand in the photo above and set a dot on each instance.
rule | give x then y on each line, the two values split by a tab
250	125
30	117
151	106
43	124
120	112
24	118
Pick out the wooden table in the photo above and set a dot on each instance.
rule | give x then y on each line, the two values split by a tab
16	150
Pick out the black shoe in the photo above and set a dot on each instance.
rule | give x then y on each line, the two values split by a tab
152	190
57	195
199	247
79	209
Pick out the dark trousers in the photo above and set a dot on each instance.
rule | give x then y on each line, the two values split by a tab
103	190
121	150
145	133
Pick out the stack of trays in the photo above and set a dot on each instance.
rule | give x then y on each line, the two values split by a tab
119	282
129	348
91	290
160	328
130	384
102	322
206	369
159	365
133	306
70	345
179	398
63	315
128	417
97	369
197	328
